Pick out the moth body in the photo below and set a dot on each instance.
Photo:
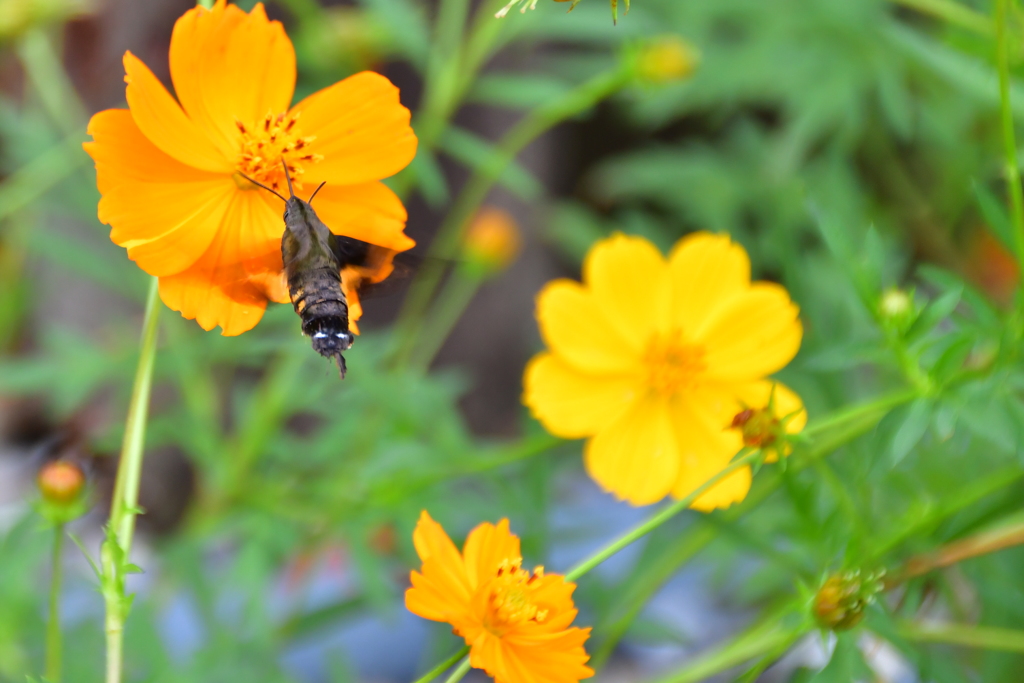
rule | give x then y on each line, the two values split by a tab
314	281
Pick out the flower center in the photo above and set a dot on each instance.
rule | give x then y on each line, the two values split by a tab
265	146
510	602
672	364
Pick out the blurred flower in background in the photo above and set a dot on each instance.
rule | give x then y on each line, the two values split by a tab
666	59
652	361
518	624
492	241
17	16
173	178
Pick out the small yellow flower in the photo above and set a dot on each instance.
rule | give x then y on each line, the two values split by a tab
652	360
517	623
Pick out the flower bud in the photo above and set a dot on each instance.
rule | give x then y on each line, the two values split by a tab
895	304
840	602
759	427
666	59
61	482
492	242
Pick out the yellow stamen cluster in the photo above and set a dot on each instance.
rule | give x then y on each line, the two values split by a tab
509	603
267	144
672	364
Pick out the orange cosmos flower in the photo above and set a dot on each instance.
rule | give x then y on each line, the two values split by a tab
170	172
518	624
653	361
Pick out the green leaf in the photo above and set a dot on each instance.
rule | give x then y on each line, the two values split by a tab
952	359
847	662
517	91
407	23
934	313
430	178
476	152
994	213
912	427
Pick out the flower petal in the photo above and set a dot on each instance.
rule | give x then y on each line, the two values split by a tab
487	546
163	122
123	154
433	544
576	327
706	270
234	306
370	212
550	658
706	446
636	456
571	404
630	279
752	335
164	212
227	286
361	130
230	66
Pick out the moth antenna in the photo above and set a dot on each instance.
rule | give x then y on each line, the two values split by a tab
288	177
310	200
259	184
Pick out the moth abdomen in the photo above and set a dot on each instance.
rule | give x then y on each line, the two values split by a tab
320	302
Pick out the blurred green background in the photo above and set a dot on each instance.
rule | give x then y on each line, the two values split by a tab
850	145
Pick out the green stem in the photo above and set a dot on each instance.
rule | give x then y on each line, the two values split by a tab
1006	535
827	434
953	13
657	519
984	637
451	304
769	636
1013	186
53	635
480	183
458	674
35	178
45	72
443	666
124	504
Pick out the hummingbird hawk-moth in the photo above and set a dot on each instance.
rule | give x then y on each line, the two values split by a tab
313	259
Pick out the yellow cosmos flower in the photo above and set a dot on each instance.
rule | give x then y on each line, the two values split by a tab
517	623
651	361
171	171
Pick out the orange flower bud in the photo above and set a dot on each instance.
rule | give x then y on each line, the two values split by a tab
61	482
492	242
667	59
760	428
